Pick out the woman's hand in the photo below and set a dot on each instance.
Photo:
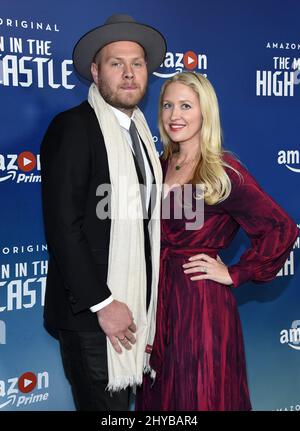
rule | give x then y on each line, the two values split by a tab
211	269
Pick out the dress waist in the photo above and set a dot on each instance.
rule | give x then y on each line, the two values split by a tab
171	252
166	290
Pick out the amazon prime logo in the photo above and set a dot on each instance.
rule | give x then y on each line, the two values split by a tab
20	168
29	388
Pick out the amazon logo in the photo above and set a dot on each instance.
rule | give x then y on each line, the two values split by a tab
290	159
291	336
179	61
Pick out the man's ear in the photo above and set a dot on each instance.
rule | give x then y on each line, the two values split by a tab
94	72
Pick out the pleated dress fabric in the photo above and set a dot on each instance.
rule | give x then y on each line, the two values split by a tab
198	351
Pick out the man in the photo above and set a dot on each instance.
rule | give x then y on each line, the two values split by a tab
103	271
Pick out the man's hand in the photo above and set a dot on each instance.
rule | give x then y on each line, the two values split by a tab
116	321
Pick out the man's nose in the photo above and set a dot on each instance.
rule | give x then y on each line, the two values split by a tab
128	71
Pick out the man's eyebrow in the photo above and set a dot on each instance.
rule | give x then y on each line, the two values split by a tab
112	57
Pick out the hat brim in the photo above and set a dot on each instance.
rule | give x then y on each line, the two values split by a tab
149	38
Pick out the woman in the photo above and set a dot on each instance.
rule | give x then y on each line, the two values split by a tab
198	352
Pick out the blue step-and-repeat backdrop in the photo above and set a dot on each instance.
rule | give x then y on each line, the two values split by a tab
250	50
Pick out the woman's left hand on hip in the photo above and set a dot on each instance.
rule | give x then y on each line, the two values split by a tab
210	269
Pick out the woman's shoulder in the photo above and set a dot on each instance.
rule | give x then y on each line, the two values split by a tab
240	177
231	159
233	166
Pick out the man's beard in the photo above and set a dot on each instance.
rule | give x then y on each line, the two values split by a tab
115	101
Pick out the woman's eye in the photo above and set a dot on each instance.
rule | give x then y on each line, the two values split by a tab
186	106
166	105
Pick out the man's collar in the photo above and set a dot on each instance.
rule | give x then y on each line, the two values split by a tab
122	118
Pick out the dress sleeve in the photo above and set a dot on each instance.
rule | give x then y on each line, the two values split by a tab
270	229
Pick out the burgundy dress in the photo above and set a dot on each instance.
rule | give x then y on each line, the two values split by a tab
198	351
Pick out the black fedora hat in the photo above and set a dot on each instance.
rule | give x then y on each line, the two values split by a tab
119	28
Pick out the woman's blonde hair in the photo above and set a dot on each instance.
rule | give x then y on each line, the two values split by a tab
209	170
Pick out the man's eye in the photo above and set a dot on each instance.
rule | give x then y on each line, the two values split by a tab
137	64
116	64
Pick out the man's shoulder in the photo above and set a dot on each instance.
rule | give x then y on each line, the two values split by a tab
70	128
77	113
78	120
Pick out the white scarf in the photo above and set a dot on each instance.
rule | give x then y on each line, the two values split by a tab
126	264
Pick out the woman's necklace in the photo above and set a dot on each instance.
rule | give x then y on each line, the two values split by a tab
179	165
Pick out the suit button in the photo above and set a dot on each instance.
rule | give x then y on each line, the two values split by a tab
72	299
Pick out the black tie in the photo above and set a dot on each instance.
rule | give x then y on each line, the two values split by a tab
137	150
136	146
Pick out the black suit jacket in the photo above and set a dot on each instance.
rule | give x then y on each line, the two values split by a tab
74	163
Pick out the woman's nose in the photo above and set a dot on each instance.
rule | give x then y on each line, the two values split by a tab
175	113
